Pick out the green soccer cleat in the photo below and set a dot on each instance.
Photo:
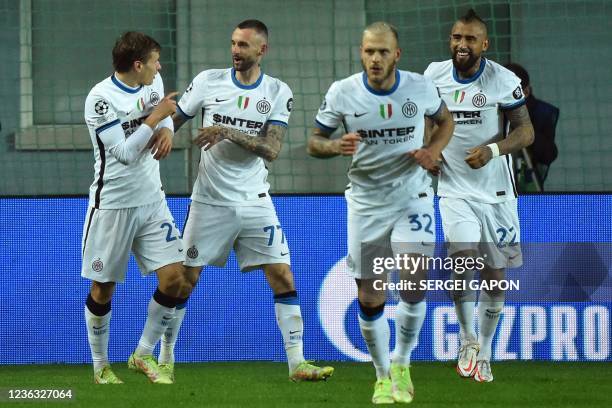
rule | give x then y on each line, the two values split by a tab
308	372
382	392
402	388
105	375
167	370
148	366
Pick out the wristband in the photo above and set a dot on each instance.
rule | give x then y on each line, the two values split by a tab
494	149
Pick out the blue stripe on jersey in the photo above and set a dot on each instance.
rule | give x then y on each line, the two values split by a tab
381	93
513	105
277	122
124	87
108	125
483	63
182	112
242	86
323	127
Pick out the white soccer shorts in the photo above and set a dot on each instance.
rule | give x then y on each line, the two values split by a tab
109	235
254	233
411	230
493	230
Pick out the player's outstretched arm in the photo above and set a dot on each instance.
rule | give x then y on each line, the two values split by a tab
322	147
521	135
267	146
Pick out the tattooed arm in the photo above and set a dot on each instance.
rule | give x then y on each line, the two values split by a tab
321	146
521	131
521	135
266	146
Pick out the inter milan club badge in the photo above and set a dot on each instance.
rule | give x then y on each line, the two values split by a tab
479	100
97	265
263	106
409	109
193	252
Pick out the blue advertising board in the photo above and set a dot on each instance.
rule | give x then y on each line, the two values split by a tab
230	315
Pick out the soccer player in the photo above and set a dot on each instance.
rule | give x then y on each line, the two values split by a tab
131	129
244	120
478	196
390	199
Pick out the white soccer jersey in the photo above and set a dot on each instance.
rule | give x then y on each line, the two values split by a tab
230	174
476	104
116	185
391	123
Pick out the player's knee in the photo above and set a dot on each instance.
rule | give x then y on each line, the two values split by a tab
370	298
280	277
191	276
412	296
102	292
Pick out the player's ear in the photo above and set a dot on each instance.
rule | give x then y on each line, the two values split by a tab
485	44
263	49
398	54
137	66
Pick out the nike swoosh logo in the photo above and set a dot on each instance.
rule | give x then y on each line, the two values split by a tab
293	332
284	253
469	368
167	318
181	250
512	257
98	328
360	114
221	100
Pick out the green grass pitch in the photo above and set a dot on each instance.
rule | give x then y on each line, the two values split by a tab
265	384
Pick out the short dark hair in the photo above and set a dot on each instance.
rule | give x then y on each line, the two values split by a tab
259	27
130	47
520	72
471	17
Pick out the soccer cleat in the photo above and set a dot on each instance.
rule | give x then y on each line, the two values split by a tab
401	384
167	370
483	371
308	372
105	375
148	366
383	392
466	363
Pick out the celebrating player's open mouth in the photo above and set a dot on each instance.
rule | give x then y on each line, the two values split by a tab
464	59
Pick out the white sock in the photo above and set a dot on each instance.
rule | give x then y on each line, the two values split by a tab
98	333
489	309
465	316
168	340
158	319
409	319
464	308
289	320
377	333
